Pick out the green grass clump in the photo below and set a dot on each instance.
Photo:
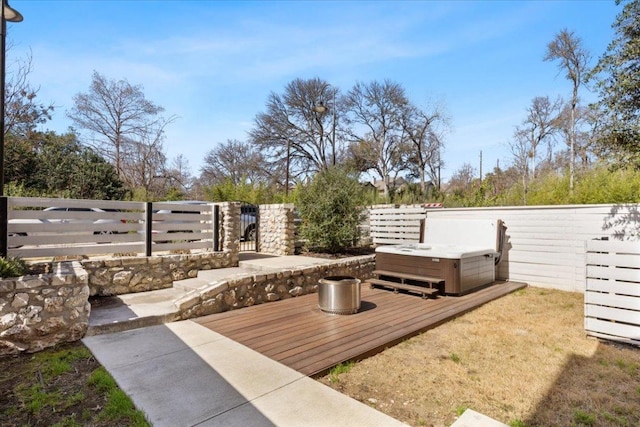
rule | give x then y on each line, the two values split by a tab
583	418
36	399
460	410
102	380
119	407
53	364
341	368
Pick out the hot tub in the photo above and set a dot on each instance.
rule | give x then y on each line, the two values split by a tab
463	268
461	252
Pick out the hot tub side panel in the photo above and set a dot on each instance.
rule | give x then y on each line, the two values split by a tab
460	276
440	268
475	272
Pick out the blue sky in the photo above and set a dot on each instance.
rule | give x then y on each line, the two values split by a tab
214	63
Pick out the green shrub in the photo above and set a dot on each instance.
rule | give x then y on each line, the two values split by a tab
330	209
12	267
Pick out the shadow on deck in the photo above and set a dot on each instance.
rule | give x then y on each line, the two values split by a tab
297	334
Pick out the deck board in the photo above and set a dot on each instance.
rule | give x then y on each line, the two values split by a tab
298	334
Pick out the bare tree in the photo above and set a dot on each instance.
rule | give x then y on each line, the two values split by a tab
461	182
178	175
376	133
143	165
234	160
521	152
424	131
576	125
573	58
295	134
117	113
22	112
537	129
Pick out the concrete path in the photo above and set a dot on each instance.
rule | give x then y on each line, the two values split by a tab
183	374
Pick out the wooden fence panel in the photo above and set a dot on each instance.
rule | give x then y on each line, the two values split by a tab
612	295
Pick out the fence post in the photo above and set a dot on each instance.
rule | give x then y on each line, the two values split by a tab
4	220
257	231
216	228
148	222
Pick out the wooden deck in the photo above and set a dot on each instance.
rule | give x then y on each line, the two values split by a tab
296	333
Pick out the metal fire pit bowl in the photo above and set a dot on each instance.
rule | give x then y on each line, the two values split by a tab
339	295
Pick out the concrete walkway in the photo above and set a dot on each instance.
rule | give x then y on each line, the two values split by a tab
183	374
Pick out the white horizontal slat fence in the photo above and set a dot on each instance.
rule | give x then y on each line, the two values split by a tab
612	295
48	227
67	228
545	245
396	224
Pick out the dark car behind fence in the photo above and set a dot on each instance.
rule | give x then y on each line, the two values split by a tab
46	227
249	227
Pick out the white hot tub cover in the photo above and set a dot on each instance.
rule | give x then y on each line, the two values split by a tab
463	232
453	238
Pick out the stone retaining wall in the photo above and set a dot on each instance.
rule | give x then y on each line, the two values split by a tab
138	274
267	287
37	312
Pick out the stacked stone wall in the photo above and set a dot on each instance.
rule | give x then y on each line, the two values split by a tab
41	311
277	229
230	231
267	287
139	274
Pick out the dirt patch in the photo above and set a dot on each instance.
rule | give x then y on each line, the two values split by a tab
523	359
39	268
59	386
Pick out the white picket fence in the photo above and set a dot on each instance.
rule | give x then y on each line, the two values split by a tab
612	295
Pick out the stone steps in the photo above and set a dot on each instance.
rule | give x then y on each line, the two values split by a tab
187	285
137	310
131	311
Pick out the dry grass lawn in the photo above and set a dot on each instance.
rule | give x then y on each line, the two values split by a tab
523	359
